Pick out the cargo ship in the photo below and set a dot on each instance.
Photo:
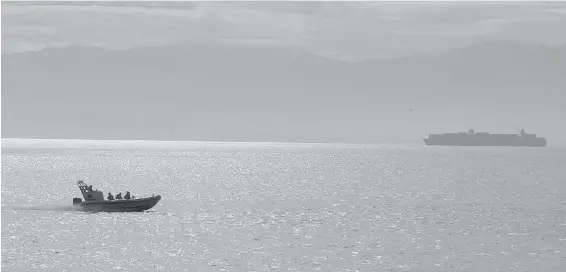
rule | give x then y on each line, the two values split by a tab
472	138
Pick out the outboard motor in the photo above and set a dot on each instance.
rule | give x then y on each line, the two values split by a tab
77	200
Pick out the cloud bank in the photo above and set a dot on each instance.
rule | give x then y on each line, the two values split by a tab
347	29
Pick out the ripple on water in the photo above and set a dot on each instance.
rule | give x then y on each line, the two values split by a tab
341	209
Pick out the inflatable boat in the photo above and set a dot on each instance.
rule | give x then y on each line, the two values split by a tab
94	201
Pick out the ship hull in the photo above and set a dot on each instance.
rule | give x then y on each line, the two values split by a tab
121	205
472	142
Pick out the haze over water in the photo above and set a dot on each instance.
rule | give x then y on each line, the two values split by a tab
283	73
285	207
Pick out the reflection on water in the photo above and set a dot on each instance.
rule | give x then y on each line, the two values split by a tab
288	208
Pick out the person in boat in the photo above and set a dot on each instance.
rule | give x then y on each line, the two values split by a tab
90	187
127	195
119	196
110	197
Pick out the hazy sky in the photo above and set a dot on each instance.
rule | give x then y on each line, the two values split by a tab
495	67
350	29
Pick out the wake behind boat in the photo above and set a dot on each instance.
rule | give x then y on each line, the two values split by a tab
94	201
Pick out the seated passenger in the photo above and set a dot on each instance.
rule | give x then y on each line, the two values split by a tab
110	197
127	195
119	196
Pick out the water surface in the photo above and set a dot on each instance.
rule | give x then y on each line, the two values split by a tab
285	207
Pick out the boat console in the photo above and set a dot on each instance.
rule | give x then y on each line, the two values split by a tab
88	193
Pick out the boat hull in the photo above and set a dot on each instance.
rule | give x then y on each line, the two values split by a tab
539	142
120	205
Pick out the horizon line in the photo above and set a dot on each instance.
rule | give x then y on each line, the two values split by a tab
201	141
28	143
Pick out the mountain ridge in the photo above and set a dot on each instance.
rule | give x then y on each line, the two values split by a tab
159	92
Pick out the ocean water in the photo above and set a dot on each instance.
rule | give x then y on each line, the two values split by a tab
285	207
